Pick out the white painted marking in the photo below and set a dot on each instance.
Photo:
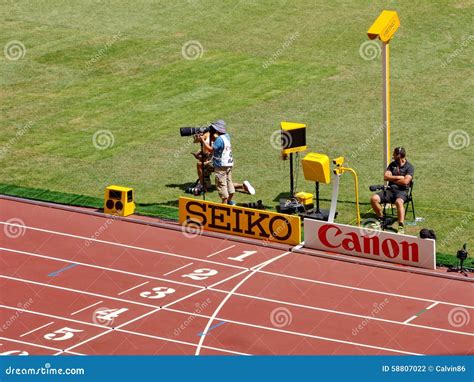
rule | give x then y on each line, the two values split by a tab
34	330
132	288
122	245
222	250
229	294
174	270
87	307
99	267
410	319
432	305
362	289
34	345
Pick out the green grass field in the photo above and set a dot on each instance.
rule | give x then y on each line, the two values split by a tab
120	67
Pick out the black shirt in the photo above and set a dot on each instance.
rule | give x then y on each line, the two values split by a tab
396	170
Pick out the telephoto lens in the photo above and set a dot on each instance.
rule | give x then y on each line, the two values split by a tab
188	131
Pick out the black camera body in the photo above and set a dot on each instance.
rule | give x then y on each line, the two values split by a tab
463	253
189	131
377	187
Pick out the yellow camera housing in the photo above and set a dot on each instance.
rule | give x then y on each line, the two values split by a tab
385	26
339	161
316	168
119	201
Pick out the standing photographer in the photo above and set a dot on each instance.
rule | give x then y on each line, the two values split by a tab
223	162
399	175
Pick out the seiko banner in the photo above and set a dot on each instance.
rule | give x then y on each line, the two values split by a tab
370	244
241	221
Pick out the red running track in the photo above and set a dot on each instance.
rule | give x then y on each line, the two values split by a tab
76	283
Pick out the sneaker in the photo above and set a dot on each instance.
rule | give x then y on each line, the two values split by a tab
249	187
231	203
401	229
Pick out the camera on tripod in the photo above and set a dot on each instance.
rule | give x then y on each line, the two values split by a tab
463	253
377	187
189	131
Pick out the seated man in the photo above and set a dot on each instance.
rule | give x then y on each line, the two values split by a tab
209	167
399	174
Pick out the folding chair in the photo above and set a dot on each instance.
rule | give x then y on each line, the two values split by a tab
409	201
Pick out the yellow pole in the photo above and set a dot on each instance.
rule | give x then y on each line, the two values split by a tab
386	102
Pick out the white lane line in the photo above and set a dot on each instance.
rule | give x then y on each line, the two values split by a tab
181	342
175	270
410	319
85	341
176	301
122	245
229	294
100	267
34	345
76	291
432	305
280	302
306	335
212	288
202	346
34	330
364	290
222	250
420	312
87	307
132	288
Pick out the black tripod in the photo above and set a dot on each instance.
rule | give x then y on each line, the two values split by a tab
461	255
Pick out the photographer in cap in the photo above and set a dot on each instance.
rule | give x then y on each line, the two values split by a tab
399	175
222	160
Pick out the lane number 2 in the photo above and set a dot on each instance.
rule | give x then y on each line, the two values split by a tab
201	274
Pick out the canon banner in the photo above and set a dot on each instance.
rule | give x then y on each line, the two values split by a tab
370	244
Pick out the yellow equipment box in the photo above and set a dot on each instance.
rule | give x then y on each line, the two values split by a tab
316	168
119	201
305	198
